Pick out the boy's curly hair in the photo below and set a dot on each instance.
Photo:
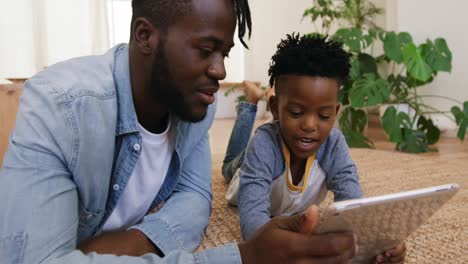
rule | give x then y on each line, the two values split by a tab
311	55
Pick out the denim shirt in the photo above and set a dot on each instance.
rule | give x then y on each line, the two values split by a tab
70	156
264	162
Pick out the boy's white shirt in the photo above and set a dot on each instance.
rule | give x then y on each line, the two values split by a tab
284	198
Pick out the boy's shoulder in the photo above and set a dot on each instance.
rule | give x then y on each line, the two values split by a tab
266	139
334	143
335	135
335	138
268	132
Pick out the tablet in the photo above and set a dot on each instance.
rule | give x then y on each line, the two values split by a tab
381	222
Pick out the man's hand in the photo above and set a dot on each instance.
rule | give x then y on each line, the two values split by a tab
130	243
394	255
291	240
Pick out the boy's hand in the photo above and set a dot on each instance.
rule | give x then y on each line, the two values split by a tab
290	240
394	255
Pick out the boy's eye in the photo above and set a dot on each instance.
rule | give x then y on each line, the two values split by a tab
295	113
324	117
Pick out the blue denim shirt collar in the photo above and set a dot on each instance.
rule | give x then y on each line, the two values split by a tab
127	121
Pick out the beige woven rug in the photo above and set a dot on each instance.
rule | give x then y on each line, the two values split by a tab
442	239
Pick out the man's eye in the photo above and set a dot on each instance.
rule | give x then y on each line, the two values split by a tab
206	51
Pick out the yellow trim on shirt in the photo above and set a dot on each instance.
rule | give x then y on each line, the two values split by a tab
305	177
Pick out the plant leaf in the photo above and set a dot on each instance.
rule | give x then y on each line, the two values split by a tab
357	140
437	55
416	65
355	71
398	85
351	37
413	83
414	141
368	91
231	89
461	118
353	120
367	63
393	122
428	127
343	95
393	45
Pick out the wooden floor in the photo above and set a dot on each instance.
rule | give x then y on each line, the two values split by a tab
221	129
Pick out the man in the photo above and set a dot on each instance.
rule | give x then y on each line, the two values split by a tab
110	154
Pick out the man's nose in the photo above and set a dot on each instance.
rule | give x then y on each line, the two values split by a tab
217	70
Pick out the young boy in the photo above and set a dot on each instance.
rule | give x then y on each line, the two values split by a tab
289	164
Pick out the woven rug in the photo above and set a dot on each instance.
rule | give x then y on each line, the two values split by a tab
442	239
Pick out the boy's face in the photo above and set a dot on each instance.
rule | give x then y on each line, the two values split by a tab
306	108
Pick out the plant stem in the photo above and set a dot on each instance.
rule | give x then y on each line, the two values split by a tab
402	69
443	97
416	108
315	26
435	110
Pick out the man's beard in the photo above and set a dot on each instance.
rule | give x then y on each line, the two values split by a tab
166	91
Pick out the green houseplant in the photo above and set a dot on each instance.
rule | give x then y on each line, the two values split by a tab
393	77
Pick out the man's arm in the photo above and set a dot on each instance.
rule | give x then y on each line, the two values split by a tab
38	196
180	223
132	242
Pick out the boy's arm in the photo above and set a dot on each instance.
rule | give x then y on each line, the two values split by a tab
255	181
343	178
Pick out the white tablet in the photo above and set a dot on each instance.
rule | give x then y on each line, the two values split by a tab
381	222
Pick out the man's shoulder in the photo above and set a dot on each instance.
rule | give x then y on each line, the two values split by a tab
77	77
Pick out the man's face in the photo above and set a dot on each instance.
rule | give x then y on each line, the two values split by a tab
189	58
306	109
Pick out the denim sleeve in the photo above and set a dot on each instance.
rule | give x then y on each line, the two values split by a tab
39	200
255	183
180	223
343	178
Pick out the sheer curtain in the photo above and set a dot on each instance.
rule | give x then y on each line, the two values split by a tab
35	34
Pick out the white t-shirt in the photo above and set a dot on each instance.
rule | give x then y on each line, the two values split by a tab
146	180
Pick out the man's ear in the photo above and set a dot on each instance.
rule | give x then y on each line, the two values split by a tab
145	36
274	107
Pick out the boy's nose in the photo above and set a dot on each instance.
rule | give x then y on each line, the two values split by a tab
310	124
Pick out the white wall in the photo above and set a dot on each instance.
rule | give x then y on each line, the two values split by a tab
36	34
447	19
17	45
272	20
